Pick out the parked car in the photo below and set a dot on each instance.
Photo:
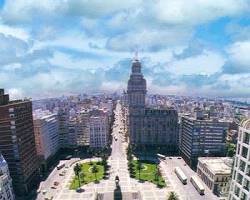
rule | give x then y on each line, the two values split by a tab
56	183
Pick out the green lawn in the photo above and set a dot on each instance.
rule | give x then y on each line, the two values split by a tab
148	172
88	175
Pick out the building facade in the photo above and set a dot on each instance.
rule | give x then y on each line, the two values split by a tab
83	138
46	134
99	129
148	126
240	185
215	172
63	119
202	137
6	189
17	143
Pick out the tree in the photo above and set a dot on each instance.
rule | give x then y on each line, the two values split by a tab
82	175
104	159
95	170
157	173
77	170
231	149
173	196
139	167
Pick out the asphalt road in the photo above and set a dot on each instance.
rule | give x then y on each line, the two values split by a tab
187	192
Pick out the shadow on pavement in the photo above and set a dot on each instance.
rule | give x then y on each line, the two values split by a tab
117	193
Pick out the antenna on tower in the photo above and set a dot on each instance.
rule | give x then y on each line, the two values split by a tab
136	55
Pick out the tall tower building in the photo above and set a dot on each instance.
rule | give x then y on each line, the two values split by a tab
148	126
17	142
136	88
136	94
240	184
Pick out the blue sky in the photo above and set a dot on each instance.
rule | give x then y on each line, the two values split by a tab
54	47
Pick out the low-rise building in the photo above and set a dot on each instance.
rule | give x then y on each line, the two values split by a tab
215	172
6	190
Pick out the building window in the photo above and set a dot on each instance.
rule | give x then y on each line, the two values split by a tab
237	191
246	138
248	170
246	185
239	178
244	152
242	165
243	196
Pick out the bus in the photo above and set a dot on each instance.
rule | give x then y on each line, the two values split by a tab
161	156
197	184
180	175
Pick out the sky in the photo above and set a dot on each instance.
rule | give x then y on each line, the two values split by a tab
53	47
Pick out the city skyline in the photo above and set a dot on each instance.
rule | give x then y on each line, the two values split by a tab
57	47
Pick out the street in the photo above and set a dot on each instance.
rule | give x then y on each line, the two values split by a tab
186	192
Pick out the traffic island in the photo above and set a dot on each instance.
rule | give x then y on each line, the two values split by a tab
144	170
87	173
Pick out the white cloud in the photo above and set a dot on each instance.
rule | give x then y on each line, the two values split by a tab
196	11
239	53
67	61
23	11
15	93
150	40
19	33
206	63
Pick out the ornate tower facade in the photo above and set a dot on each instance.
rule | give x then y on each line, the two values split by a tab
136	94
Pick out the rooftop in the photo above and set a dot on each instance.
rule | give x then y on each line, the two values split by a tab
217	165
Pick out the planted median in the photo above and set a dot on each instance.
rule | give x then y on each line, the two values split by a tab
88	172
144	170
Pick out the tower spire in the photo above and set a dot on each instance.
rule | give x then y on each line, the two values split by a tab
136	55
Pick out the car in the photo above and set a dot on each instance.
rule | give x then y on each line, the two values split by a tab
53	187
170	157
44	192
179	158
61	174
56	183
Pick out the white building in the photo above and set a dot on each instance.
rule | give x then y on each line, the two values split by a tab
46	133
99	128
6	190
215	172
240	185
83	139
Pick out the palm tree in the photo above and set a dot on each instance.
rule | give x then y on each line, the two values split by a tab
104	159
77	170
173	196
95	170
139	167
157	173
82	175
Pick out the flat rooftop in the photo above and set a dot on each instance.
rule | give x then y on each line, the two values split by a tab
217	165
